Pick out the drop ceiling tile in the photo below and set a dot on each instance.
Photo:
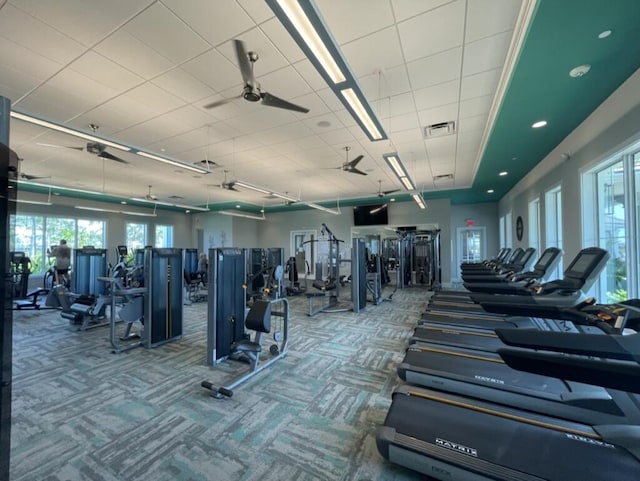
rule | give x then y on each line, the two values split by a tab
15	84
279	36
486	54
441	149
91	19
262	118
259	11
432	32
481	84
309	73
332	101
402	122
154	98
385	83
488	17
277	136
345	118
204	16
190	117
105	72
216	71
477	122
476	106
437	96
159	28
269	58
337	137
311	101
183	85
401	104
365	60
435	69
339	17
409	135
284	83
132	54
444	113
404	9
29	63
37	36
151	131
331	118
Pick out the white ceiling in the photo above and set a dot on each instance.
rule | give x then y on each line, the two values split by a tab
143	70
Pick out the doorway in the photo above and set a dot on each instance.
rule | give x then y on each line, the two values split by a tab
472	246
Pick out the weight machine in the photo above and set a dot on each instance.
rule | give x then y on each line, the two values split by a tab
226	320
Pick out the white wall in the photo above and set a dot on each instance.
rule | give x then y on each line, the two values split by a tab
614	124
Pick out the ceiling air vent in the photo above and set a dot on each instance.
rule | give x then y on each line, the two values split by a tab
440	129
436	178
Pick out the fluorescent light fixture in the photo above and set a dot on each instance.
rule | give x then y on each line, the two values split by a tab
309	34
302	19
176	163
169	204
377	209
408	184
355	103
247	185
264	190
66	130
97	209
141	214
242	214
322	208
36	202
419	200
394	162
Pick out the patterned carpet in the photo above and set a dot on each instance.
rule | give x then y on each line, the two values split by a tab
83	413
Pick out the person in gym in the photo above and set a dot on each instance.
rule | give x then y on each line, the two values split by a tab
62	253
203	264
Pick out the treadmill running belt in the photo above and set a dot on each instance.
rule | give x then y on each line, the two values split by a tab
494	442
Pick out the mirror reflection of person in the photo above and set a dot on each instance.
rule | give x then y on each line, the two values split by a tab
62	253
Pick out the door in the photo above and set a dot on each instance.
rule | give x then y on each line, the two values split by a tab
471	246
304	241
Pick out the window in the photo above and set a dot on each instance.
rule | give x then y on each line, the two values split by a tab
503	239
553	230
164	236
508	229
534	224
34	234
136	236
611	216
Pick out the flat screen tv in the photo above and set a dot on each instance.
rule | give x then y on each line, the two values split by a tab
377	214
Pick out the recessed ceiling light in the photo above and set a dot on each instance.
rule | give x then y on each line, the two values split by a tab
579	71
324	123
238	206
539	123
163	150
490	191
393	199
123	202
503	173
604	34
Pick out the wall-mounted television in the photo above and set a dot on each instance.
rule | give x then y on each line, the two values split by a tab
377	214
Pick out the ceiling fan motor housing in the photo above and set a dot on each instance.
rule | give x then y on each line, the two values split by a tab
95	147
251	94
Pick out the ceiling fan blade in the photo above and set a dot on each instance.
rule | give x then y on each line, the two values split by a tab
106	155
355	161
220	102
273	101
387	192
55	146
32	177
353	170
244	63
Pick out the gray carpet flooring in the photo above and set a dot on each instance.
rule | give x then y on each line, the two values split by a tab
83	413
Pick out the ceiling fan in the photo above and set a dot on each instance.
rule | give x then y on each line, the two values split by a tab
251	90
16	173
230	185
151	196
350	165
382	193
92	147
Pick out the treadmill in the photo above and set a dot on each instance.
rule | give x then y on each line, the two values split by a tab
523	262
447	436
580	275
545	302
485	375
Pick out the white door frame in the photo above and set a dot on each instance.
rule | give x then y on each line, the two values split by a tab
459	241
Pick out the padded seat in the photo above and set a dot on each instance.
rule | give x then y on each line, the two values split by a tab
246	346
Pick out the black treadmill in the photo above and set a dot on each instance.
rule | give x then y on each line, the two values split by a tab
522	263
485	375
448	436
578	278
451	437
469	331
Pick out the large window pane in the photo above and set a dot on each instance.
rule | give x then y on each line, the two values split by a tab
534	224
91	233
553	214
611	230
136	235
164	236
28	237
